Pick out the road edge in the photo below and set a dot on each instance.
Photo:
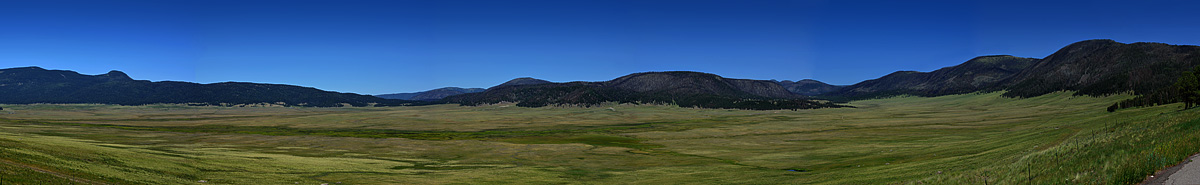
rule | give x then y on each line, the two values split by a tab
1160	177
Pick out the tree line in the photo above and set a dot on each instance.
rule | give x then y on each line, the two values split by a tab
1186	89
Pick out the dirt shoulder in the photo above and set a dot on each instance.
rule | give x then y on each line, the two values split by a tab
1186	172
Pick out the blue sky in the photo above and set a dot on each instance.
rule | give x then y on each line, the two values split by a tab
375	47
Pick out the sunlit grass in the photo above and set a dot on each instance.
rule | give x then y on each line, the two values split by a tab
957	139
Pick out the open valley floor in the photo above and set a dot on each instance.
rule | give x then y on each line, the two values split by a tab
957	139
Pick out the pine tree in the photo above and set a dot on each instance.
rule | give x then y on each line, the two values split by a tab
1188	87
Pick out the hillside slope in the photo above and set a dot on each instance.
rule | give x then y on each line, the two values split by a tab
1091	67
808	87
1100	67
973	75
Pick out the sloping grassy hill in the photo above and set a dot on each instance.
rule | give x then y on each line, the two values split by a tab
957	139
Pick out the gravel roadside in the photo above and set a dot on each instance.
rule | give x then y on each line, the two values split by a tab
1187	172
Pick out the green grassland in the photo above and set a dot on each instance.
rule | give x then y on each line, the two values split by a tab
956	139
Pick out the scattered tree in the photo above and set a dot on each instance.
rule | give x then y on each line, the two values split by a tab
1188	88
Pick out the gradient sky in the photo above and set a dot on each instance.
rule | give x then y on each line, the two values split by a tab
375	47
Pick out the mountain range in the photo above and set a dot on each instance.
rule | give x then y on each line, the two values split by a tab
435	94
977	74
806	87
1091	67
439	93
683	88
36	85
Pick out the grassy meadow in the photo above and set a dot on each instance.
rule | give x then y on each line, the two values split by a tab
956	139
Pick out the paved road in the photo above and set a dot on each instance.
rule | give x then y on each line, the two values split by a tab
1186	173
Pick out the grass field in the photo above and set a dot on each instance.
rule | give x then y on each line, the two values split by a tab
957	139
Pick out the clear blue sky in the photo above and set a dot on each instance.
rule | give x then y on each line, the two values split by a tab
374	47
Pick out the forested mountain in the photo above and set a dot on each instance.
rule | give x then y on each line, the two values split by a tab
36	85
1101	67
435	94
977	74
1091	67
687	82
686	89
808	87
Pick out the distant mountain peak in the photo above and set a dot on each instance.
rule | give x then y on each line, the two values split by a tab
434	94
682	74
691	82
903	72
798	81
524	81
670	73
1086	47
26	68
991	57
1098	41
1004	62
1091	43
449	88
116	75
808	87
